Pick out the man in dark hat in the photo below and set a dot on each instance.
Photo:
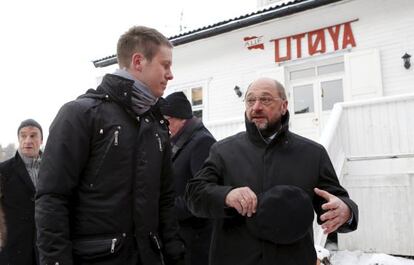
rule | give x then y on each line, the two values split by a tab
18	181
262	186
191	142
2	223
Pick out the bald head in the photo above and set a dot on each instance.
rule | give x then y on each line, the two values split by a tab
266	104
266	82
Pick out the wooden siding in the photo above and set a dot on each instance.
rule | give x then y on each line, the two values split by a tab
384	191
371	144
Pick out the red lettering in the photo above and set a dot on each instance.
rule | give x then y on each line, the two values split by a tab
319	41
298	39
316	41
257	46
278	58
249	38
334	32
348	36
253	42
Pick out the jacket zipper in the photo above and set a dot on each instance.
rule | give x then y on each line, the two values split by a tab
115	141
113	245
158	245
159	142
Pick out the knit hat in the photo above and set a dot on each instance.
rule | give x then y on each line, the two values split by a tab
177	106
284	215
30	122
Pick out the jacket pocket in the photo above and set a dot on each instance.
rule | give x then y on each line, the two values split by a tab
89	249
112	141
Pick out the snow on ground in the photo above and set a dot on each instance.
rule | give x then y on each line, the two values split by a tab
360	258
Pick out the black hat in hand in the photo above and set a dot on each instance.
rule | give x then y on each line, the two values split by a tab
284	215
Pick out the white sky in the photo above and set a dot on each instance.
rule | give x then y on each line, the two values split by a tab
47	47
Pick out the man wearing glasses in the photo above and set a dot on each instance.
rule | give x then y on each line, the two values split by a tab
262	187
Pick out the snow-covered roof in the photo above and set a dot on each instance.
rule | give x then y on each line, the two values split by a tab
277	11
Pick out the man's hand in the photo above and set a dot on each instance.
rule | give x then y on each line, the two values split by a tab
337	212
243	199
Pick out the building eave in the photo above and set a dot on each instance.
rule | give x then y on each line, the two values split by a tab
222	27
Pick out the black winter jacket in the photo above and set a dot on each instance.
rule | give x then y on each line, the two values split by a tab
105	185
17	200
245	159
190	149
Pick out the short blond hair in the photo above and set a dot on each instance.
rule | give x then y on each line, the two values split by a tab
140	39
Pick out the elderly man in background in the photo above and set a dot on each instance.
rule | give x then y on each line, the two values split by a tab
262	186
2	222
191	143
18	181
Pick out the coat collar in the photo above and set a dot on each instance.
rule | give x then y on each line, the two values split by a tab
190	127
119	90
22	173
256	137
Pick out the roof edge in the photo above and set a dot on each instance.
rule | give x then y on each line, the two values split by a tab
277	11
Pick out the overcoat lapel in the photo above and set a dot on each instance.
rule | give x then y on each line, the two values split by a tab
22	173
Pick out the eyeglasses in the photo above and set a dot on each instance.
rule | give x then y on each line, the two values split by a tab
266	101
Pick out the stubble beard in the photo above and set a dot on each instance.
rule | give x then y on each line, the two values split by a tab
267	129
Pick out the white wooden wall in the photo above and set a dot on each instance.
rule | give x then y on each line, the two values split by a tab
383	126
383	25
225	128
371	144
384	191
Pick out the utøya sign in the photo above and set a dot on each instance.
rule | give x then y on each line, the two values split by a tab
336	37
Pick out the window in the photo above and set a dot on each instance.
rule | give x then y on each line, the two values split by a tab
195	91
317	86
330	68
303	96
316	71
195	96
331	93
304	73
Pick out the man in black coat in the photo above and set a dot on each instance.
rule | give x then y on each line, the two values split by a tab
19	177
262	186
105	193
2	222
191	143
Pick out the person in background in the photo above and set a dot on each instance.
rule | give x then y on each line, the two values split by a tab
18	182
191	142
2	222
105	192
262	187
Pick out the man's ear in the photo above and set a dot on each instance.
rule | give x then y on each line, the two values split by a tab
284	107
137	61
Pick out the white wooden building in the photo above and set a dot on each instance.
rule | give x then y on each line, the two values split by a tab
348	88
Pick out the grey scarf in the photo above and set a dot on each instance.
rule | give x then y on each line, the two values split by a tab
142	98
32	166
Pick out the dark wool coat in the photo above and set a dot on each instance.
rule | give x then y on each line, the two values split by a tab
245	159
17	200
190	149
105	184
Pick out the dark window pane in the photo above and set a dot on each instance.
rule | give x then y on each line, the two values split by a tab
198	114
